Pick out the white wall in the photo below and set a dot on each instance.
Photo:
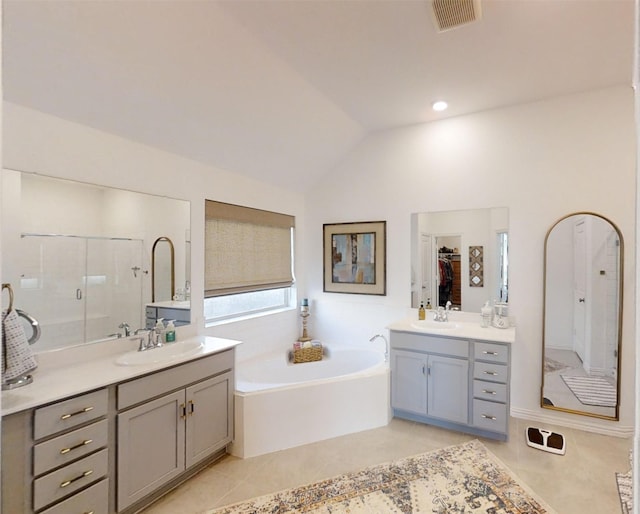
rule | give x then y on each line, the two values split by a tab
40	143
541	160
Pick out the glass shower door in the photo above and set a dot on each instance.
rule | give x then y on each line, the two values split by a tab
51	287
114	287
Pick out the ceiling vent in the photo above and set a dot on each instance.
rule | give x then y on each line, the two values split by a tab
449	14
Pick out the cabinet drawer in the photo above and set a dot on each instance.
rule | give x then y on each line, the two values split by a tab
95	499
162	382
69	413
72	477
491	352
430	344
65	448
492	372
490	416
490	391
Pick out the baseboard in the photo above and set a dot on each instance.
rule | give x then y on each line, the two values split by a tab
584	423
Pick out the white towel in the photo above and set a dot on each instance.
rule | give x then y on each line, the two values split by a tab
18	358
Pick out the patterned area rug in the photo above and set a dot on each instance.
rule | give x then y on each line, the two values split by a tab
466	478
624	481
594	391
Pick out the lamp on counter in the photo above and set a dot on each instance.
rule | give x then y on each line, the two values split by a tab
304	314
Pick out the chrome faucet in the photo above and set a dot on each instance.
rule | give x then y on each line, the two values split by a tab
386	345
148	340
441	314
127	328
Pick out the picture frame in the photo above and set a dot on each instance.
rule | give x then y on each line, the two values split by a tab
355	257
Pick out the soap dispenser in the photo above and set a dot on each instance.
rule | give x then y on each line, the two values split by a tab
170	333
159	330
421	312
487	314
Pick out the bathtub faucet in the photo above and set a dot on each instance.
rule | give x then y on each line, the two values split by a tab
386	345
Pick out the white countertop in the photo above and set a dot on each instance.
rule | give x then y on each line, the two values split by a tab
90	367
466	326
172	304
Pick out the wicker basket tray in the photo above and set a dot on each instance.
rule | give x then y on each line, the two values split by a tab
307	354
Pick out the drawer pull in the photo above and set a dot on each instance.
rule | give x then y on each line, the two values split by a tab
79	477
183	410
492	373
80	445
192	408
490	353
81	411
486	416
486	391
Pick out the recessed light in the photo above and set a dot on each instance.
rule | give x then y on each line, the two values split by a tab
439	105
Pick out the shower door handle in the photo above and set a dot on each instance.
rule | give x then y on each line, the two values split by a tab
78	294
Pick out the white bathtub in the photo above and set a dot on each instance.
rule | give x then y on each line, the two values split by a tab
280	405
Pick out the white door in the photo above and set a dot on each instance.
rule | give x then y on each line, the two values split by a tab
426	291
579	288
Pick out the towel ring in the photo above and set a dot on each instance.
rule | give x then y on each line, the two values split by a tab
10	289
35	326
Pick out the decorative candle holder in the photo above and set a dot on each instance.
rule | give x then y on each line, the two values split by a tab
304	314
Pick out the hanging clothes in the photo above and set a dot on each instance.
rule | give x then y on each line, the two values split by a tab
445	270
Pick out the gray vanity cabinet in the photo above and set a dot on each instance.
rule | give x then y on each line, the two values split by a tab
207	428
149	447
451	382
55	458
429	384
158	440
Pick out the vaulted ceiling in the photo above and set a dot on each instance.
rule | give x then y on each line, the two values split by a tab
281	90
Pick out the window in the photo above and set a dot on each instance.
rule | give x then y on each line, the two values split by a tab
503	266
248	260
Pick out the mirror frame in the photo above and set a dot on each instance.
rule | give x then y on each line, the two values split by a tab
616	417
153	267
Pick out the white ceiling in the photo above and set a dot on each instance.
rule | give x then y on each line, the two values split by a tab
281	90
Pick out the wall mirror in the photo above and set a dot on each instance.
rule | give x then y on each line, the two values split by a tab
582	319
163	281
78	256
460	256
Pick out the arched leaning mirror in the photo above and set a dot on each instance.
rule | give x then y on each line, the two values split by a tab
582	316
163	284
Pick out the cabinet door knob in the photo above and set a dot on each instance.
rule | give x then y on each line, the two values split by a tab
191	408
183	410
80	445
81	411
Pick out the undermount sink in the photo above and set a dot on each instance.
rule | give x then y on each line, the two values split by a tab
165	353
434	325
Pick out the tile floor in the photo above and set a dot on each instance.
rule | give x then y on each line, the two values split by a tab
580	482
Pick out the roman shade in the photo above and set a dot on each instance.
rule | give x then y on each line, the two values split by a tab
246	249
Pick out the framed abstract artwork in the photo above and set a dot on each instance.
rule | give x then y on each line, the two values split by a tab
355	257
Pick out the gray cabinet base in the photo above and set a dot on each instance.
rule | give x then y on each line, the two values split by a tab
468	429
168	487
